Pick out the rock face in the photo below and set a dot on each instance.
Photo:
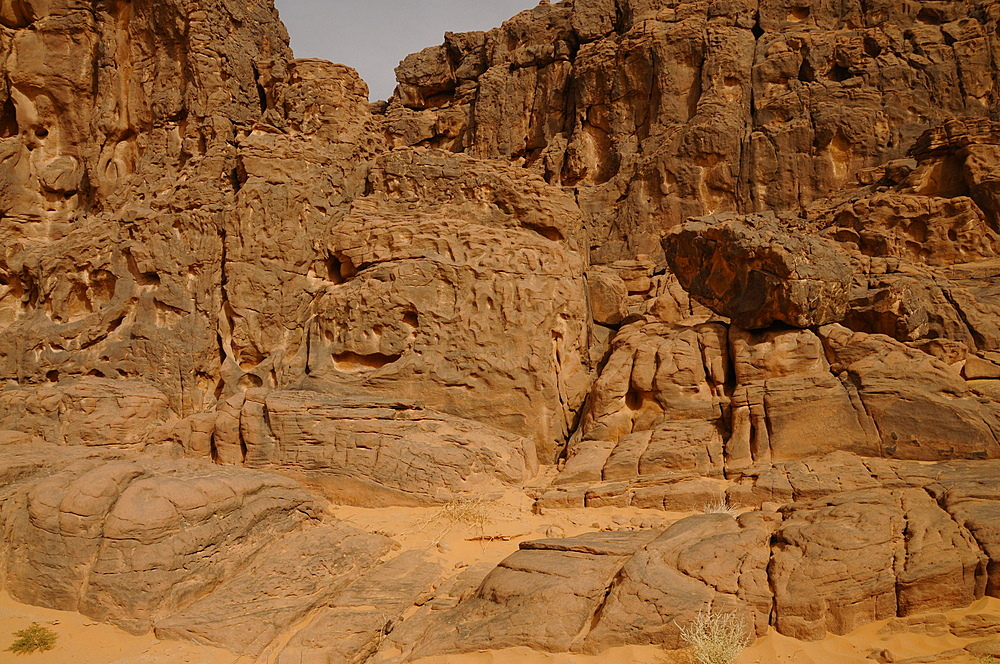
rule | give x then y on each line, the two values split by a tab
658	111
133	540
756	273
358	450
830	564
641	255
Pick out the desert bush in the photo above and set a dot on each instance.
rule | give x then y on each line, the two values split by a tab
718	506
716	638
32	638
472	512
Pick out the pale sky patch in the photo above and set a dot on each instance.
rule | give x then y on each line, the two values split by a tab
374	35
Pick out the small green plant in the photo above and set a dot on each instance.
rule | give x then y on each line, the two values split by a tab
32	638
716	638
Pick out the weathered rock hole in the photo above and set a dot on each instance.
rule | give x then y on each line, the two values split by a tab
250	381
148	279
931	16
77	305
806	72
549	234
633	400
339	268
351	362
411	319
52	376
918	230
261	93
839	73
41	132
8	120
798	14
333	270
872	48
102	286
757	31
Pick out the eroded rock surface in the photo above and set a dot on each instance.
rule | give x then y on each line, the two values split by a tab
131	541
697	256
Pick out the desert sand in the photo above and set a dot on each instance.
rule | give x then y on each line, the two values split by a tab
458	545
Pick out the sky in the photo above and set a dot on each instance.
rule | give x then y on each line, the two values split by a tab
374	35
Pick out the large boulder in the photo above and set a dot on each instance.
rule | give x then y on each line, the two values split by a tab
368	450
132	541
757	271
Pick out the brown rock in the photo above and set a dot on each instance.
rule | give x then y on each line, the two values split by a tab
124	156
358	621
787	404
975	625
608	297
855	558
513	605
373	451
86	411
686	570
920	406
406	321
755	272
706	107
286	582
134	541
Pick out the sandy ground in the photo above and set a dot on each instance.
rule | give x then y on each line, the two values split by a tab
80	640
484	535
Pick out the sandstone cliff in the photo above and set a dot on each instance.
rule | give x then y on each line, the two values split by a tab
633	253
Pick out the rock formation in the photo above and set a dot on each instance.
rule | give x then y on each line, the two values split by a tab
632	253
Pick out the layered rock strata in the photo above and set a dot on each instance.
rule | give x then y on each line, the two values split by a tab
659	255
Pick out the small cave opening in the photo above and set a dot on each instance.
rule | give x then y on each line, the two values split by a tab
797	14
806	72
339	268
931	16
8	120
250	381
261	92
839	73
872	48
52	376
352	362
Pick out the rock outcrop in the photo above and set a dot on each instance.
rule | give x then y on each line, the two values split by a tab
685	256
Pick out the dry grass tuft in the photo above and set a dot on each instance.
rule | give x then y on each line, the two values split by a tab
718	506
475	513
472	511
716	638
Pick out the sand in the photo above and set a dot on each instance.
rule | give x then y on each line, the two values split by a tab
491	531
80	640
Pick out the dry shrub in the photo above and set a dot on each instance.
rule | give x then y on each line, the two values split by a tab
718	506
473	512
716	638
